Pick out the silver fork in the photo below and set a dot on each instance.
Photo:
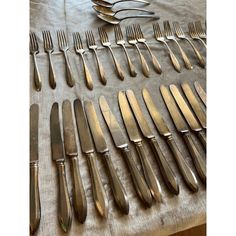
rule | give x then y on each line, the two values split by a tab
48	48
169	35
141	39
34	49
160	37
120	41
63	46
106	43
92	46
132	41
193	33
180	34
201	33
79	49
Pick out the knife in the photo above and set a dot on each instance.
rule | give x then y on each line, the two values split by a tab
135	137
120	142
35	209
187	113
200	91
79	199
163	130
182	127
118	190
64	206
99	194
166	171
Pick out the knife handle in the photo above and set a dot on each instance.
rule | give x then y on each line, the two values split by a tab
139	183
35	211
184	168
202	137
166	171
64	206
99	194
149	174
116	186
197	158
80	202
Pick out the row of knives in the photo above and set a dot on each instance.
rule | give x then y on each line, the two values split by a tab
146	183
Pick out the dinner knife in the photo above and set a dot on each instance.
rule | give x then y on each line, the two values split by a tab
120	142
99	195
35	208
200	91
163	130
188	115
166	171
79	199
135	137
64	206
118	190
182	127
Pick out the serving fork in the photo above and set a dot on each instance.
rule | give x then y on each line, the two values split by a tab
193	33
34	49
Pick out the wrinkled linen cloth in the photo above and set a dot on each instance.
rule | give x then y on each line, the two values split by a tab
175	213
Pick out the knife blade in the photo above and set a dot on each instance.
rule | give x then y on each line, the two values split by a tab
64	206
99	194
118	190
200	91
135	137
79	198
182	127
120	142
166	171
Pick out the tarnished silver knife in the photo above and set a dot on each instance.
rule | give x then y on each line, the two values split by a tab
200	91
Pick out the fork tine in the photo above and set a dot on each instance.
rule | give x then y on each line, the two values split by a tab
49	39
75	41
92	37
59	38
35	44
64	37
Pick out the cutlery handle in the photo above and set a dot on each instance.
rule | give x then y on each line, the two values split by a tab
99	194
202	137
37	78
64	206
135	9
167	173
197	158
88	78
149	174
184	168
52	75
35	209
203	42
116	186
69	76
100	69
80	202
142	1
139	183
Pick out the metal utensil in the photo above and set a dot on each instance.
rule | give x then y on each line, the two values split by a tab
193	33
201	33
110	5
201	92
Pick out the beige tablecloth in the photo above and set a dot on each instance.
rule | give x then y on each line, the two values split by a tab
176	212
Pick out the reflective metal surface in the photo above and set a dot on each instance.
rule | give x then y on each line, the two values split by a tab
200	91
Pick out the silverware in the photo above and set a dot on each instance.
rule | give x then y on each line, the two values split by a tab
163	130
79	49
118	190
64	206
120	142
110	5
79	198
99	194
34	50
182	127
106	43
35	208
166	171
160	37
201	33
63	46
135	137
201	92
193	33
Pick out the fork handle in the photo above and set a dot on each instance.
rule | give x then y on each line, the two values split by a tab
88	78
69	76
100	69
52	75
37	78
203	42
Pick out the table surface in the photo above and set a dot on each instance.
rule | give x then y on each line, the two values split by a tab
176	213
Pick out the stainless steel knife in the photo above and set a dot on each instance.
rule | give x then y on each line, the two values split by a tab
200	91
79	198
118	190
99	195
64	206
166	171
120	142
182	127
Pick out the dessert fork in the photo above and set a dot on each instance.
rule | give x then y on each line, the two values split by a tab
201	33
193	33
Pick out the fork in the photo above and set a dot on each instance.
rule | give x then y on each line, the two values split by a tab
132	41
48	48
106	43
141	39
180	34
169	35
160	37
201	33
63	46
34	49
193	33
120	41
79	49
